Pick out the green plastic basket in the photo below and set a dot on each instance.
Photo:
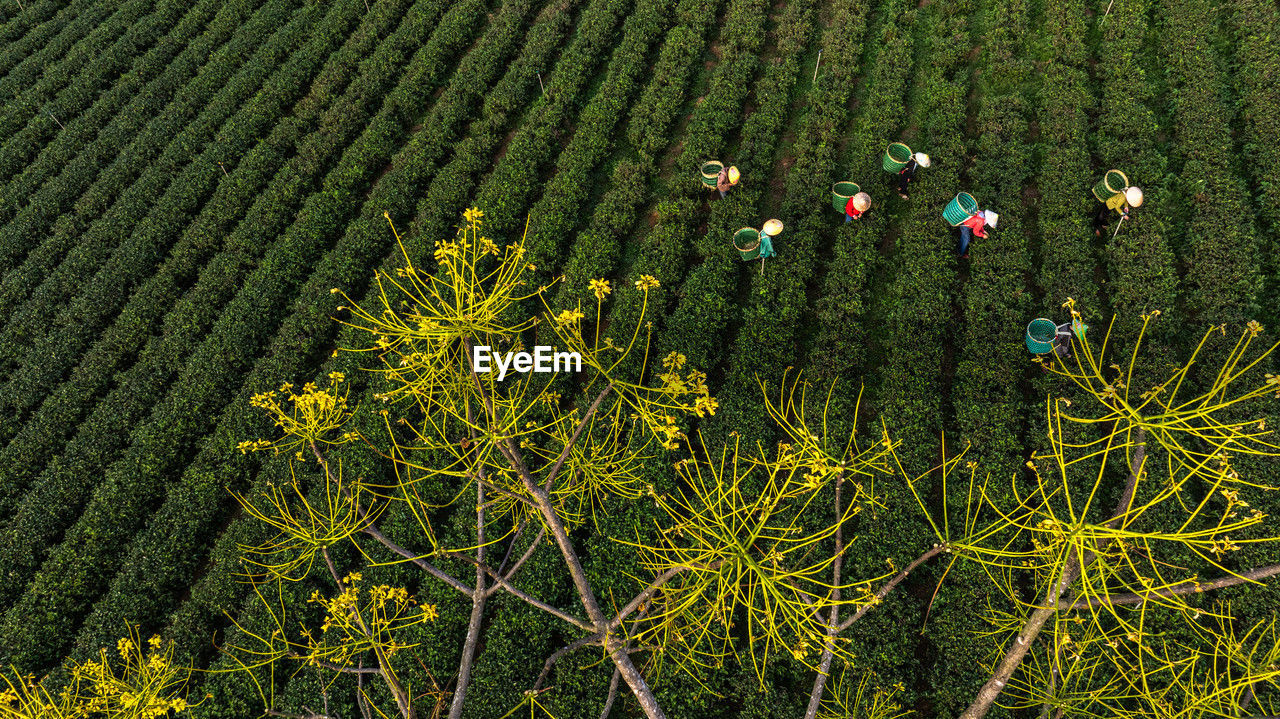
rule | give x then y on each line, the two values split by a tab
747	242
1040	334
961	208
710	171
841	192
1111	183
896	157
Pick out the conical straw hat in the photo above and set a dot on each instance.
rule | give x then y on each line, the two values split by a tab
1133	196
772	227
862	201
922	159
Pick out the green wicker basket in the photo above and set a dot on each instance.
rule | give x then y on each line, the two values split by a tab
1040	335
710	171
1111	183
896	157
841	192
961	208
747	242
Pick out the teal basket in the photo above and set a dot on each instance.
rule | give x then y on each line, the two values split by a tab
747	242
710	170
961	208
1040	335
841	192
896	157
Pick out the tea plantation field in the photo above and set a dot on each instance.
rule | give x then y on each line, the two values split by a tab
182	182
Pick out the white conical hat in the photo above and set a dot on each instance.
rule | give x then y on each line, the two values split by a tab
772	227
862	201
922	159
1133	196
990	217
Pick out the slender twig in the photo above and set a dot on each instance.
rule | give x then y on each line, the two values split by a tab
50	114
416	559
815	66
568	446
538	603
506	576
893	583
613	694
833	624
1193	588
566	649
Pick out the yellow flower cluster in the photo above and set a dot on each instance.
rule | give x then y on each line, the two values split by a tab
646	283
601	288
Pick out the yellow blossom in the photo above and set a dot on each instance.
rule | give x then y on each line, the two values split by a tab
647	282
601	288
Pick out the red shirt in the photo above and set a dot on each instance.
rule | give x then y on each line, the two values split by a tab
852	211
976	223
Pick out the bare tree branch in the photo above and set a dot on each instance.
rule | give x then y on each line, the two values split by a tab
833	628
505	584
893	583
613	694
1193	588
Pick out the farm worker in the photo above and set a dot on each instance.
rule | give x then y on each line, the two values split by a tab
1121	202
856	205
906	174
973	226
727	178
766	245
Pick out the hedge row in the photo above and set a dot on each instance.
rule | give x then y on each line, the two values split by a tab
63	94
1223	278
916	339
663	252
705	300
199	32
560	210
15	244
1141	271
187	315
596	250
71	475
133	137
1066	174
32	28
202	484
146	562
838	349
60	55
77	569
1256	69
995	304
63	317
514	182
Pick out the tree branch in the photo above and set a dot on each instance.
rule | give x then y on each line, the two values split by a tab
568	446
505	584
613	694
1071	571
833	628
893	583
1139	598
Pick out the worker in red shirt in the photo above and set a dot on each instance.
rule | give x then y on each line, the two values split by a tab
975	225
856	205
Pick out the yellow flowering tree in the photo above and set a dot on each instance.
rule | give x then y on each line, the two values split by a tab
461	407
1102	571
139	680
